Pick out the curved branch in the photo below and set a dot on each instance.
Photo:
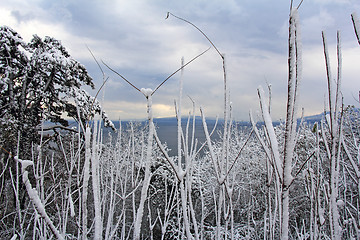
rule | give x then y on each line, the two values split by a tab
169	13
356	24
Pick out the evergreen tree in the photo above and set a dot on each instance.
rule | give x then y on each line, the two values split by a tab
40	81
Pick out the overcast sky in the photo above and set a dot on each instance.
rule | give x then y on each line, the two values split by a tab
135	39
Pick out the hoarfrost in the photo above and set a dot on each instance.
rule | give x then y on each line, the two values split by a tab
146	91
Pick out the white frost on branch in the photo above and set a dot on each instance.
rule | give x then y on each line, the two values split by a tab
71	203
146	91
24	163
271	132
34	197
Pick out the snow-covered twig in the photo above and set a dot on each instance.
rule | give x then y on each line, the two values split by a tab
85	184
34	196
147	174
211	149
333	147
274	146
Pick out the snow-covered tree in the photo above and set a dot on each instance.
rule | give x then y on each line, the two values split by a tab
40	81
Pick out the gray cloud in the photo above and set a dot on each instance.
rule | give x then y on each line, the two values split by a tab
134	38
22	17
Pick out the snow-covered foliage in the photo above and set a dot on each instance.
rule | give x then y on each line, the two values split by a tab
41	81
88	104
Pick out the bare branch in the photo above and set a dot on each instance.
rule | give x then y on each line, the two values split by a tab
211	133
301	168
61	127
121	76
356	24
95	60
238	155
104	80
178	70
168	159
299	4
169	13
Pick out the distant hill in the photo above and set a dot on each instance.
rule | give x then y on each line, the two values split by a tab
314	118
167	128
172	121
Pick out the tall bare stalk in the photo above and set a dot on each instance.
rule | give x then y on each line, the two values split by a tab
333	147
283	165
295	72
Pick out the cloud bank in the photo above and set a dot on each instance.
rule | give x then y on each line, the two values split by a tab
134	38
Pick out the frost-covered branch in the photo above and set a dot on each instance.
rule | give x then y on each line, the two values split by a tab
98	221
333	147
274	146
34	196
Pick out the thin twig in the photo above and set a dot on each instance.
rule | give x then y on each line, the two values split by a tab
59	126
356	24
211	133
121	76
6	151
168	159
95	60
169	13
238	155
301	168
102	85
299	4
97	93
178	70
